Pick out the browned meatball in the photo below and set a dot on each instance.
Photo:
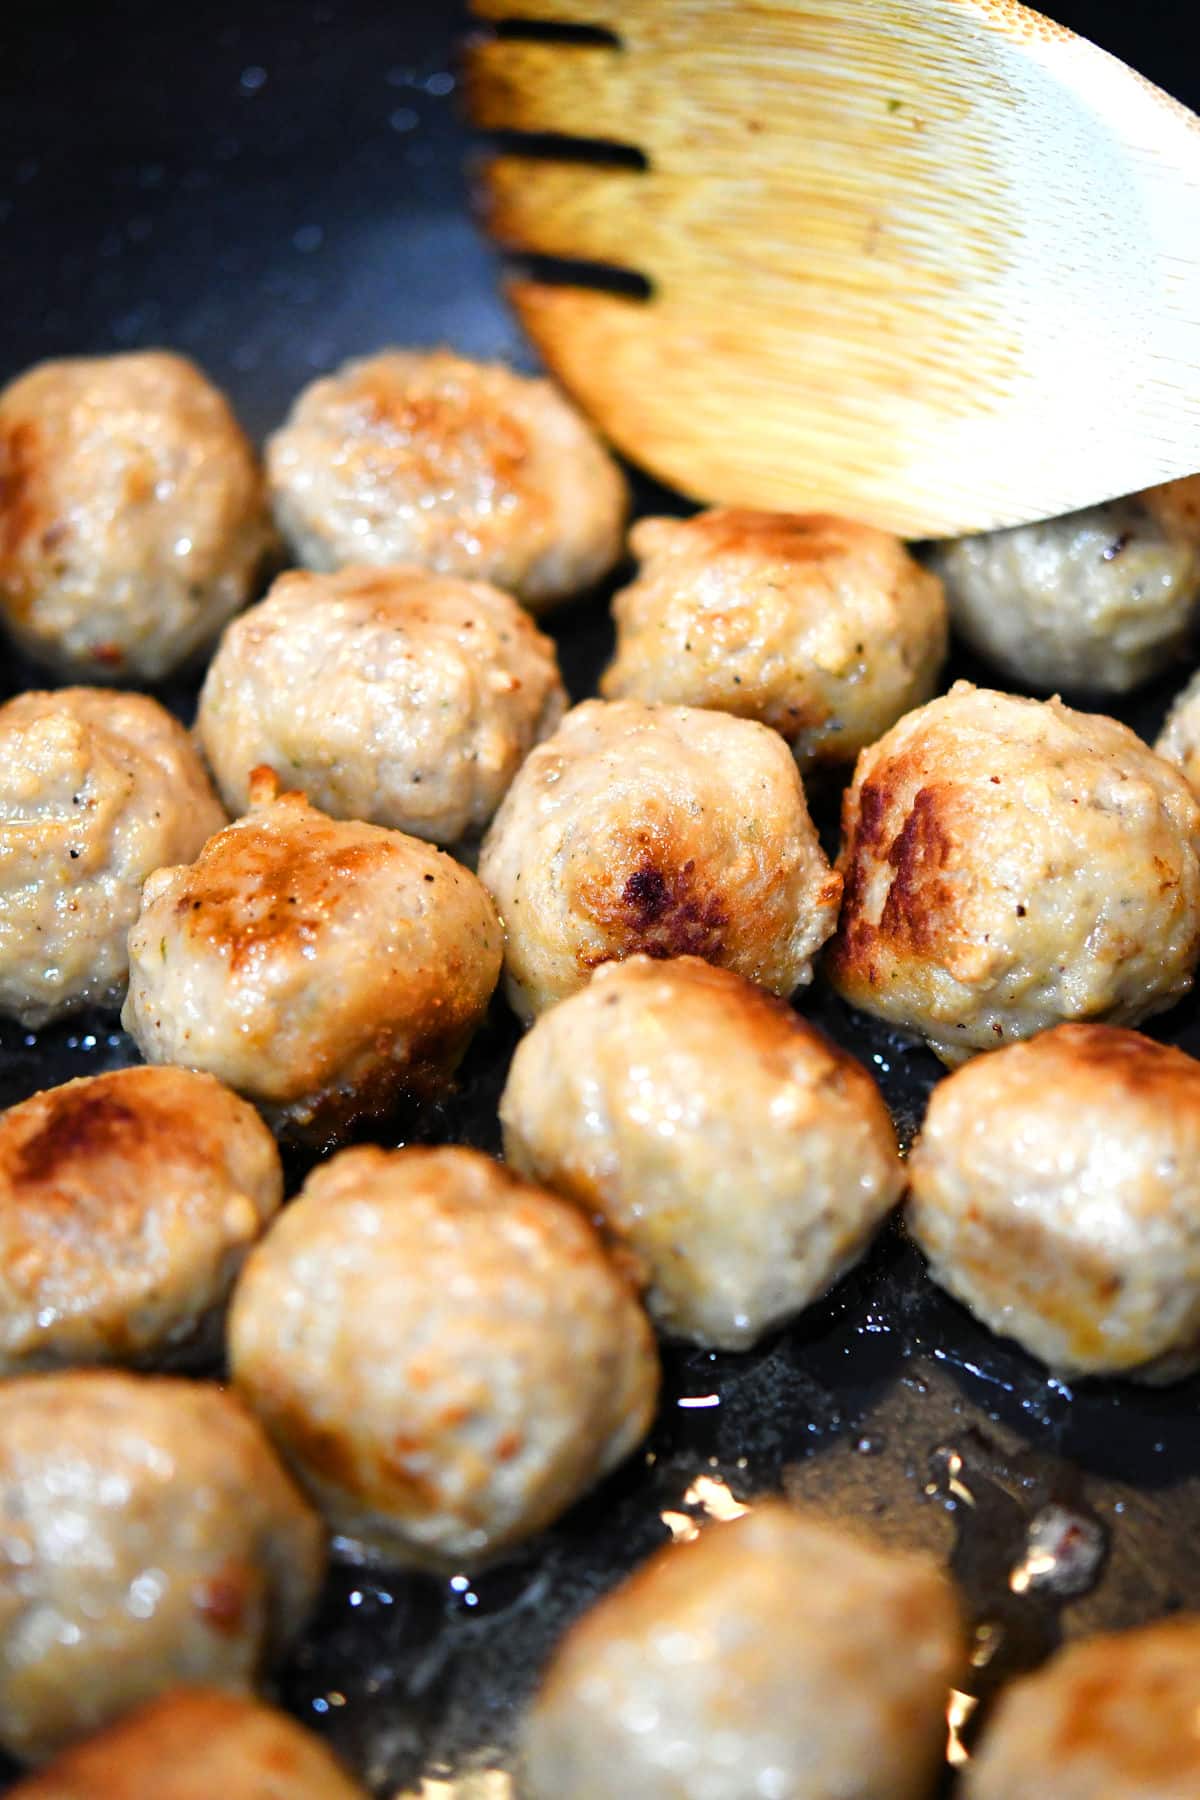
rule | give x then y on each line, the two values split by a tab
1056	1191
822	628
148	1536
776	1657
127	1202
415	456
664	829
743	1159
195	1744
97	790
1011	864
444	1353
393	695
322	968
132	513
1111	1719
1179	739
1098	601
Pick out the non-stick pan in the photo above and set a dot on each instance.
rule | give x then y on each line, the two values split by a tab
271	188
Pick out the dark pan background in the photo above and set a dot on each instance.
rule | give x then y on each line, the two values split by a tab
274	187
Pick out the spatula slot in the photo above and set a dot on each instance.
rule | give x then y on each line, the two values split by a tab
553	146
562	271
552	31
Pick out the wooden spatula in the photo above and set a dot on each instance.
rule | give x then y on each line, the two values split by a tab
934	264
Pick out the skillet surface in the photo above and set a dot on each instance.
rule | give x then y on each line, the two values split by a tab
272	188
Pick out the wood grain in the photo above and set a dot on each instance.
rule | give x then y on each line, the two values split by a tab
930	263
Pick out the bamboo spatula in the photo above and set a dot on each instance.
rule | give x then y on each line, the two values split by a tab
934	264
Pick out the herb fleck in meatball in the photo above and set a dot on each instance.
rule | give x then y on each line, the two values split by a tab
323	969
1010	864
1098	601
1056	1191
97	790
774	1656
195	1744
742	1159
1110	1719
444	1353
133	518
148	1536
393	695
826	630
127	1202
467	468
668	830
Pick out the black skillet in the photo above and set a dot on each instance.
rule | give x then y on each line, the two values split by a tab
274	187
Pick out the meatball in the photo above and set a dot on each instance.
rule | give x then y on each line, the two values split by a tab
741	1158
1179	739
148	1536
467	468
665	829
323	969
133	515
1110	1719
821	628
97	790
444	1353
1056	1191
1098	601
775	1655
193	1744
392	695
1010	864
127	1202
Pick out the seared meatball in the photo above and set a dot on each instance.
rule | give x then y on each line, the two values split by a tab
742	1159
97	790
133	518
195	1744
421	456
824	629
1056	1191
772	1656
1110	1719
148	1536
1098	601
1010	864
1179	739
393	695
444	1353
127	1202
322	969
665	829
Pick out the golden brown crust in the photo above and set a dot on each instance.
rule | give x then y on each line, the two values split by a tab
1114	1716
126	1203
1009	863
727	1247
464	467
418	432
400	943
22	508
133	516
662	831
195	1744
823	629
1054	1190
442	1350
